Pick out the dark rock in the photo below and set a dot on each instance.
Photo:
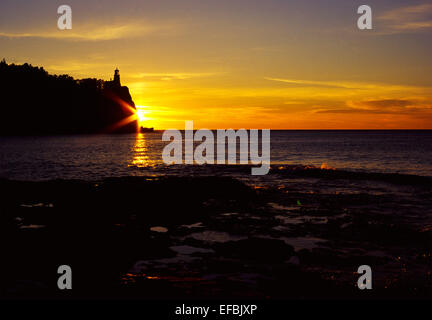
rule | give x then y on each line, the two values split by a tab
256	249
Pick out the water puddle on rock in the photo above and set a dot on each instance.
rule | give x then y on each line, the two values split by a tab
215	236
304	242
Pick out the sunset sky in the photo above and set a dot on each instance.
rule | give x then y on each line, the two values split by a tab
280	64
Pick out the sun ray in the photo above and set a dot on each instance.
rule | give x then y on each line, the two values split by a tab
132	111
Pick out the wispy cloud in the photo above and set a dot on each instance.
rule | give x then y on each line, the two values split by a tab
79	68
93	32
385	106
351	85
408	18
385	103
174	76
327	84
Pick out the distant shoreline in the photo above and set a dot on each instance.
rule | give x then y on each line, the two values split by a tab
182	130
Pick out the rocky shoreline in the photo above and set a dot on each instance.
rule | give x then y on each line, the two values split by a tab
215	237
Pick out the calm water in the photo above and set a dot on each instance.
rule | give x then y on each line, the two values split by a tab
98	156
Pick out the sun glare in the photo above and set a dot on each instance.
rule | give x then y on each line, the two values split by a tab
142	112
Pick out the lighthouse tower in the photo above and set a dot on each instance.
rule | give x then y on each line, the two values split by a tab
116	78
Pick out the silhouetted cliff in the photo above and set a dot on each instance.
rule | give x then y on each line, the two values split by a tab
35	102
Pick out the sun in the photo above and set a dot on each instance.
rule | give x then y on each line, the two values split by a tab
146	116
141	113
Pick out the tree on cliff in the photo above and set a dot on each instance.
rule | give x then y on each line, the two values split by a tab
35	102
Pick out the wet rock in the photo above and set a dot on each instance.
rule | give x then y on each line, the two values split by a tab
264	250
159	229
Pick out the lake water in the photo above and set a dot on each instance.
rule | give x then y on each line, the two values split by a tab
97	156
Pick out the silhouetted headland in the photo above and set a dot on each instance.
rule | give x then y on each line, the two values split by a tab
35	102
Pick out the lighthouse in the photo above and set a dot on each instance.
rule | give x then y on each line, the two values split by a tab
116	81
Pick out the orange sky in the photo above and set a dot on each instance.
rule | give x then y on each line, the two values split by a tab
241	64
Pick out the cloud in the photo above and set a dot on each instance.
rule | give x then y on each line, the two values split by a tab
408	19
415	25
175	76
351	110
92	32
386	103
409	11
385	106
327	84
350	85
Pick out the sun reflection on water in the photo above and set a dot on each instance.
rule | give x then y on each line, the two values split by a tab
141	153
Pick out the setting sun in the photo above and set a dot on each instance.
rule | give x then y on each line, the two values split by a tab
142	112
